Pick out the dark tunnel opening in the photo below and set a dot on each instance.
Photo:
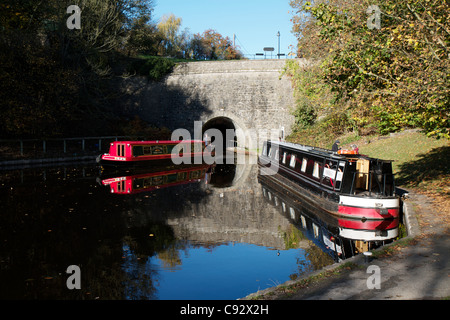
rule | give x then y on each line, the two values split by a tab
224	172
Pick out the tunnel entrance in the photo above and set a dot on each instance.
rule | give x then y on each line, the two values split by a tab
221	124
215	133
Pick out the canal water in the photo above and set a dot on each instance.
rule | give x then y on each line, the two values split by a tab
173	233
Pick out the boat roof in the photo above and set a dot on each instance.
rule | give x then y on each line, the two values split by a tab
323	152
310	149
141	142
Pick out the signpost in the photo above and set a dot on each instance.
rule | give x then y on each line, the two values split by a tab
269	49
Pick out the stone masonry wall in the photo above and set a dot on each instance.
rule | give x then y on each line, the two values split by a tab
252	93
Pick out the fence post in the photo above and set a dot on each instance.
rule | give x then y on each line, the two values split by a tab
65	146
44	146
99	144
21	147
82	144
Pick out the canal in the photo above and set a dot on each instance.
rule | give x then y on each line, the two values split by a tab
219	232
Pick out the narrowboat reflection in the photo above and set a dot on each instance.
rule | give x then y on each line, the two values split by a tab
163	177
339	237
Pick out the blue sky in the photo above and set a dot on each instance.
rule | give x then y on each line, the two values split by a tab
255	22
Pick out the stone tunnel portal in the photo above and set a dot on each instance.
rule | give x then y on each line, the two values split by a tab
221	131
224	127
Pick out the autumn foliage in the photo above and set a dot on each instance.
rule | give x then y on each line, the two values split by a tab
386	79
58	81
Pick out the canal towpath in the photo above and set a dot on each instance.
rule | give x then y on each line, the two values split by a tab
415	268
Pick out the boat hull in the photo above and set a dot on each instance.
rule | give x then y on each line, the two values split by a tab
364	207
354	207
114	162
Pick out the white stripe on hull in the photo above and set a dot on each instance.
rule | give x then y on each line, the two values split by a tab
367	235
363	202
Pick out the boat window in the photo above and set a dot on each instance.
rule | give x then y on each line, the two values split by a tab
264	152
340	174
303	222
316	170
284	157
304	163
158	180
181	176
172	178
121	150
292	212
147	150
196	174
270	152
315	230
121	186
329	173
292	163
138	151
157	150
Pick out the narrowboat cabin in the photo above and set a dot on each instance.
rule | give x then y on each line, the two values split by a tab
133	153
145	182
344	183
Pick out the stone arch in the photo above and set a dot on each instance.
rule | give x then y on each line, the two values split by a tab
226	126
245	138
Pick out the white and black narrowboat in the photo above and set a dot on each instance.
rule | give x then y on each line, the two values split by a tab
344	183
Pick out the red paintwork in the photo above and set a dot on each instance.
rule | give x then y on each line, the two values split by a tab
369	224
128	147
368	213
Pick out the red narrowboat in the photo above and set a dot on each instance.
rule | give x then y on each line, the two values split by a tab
131	153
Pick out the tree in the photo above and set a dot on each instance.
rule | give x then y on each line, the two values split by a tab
211	45
394	77
169	26
54	80
143	37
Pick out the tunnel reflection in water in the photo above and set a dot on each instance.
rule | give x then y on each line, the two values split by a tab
166	241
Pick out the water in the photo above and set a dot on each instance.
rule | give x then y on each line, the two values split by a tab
218	236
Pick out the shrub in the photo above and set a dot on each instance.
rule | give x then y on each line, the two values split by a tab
155	68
